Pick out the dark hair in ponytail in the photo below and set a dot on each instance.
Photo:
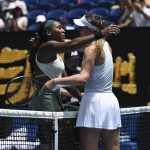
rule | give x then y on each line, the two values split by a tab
32	55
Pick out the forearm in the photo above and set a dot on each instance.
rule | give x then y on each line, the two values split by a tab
74	92
73	80
74	44
82	41
71	92
64	92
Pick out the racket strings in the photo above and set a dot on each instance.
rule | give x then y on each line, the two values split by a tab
20	90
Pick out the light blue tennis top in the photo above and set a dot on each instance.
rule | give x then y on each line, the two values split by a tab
102	76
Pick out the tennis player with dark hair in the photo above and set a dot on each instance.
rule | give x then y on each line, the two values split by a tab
46	61
99	113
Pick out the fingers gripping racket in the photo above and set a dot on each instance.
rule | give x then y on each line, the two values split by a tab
20	90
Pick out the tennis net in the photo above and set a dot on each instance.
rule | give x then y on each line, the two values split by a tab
38	130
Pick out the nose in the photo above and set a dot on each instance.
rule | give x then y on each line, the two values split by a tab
63	30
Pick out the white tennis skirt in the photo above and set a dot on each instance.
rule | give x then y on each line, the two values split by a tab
99	110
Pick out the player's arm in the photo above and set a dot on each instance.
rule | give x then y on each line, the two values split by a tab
71	90
74	44
82	77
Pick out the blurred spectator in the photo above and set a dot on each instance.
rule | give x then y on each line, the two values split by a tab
14	3
21	4
124	19
73	62
22	23
146	9
15	17
2	25
34	26
4	5
40	19
14	13
133	15
143	10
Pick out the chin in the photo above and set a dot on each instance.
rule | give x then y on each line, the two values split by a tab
62	39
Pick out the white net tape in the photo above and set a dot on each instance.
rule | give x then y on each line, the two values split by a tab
133	134
59	115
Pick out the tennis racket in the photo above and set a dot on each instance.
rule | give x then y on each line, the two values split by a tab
20	90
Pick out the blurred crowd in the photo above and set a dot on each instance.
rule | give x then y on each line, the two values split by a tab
136	13
14	14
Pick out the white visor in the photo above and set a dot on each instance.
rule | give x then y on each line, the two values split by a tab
82	22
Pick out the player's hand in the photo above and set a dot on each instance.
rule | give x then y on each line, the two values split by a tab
110	30
48	86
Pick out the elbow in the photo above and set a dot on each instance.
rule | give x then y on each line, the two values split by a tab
72	45
84	79
83	82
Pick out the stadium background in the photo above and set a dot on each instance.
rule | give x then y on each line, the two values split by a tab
131	53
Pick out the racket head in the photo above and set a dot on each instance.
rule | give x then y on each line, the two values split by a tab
20	90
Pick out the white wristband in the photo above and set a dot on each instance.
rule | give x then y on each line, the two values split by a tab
58	86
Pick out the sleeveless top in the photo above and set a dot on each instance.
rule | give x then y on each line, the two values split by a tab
53	69
102	76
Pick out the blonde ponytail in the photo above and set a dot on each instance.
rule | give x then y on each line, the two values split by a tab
99	44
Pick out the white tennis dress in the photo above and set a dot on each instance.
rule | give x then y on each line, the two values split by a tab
99	106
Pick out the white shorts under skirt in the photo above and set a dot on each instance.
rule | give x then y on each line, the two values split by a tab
99	110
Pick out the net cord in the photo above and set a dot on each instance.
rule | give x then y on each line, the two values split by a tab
60	115
55	116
